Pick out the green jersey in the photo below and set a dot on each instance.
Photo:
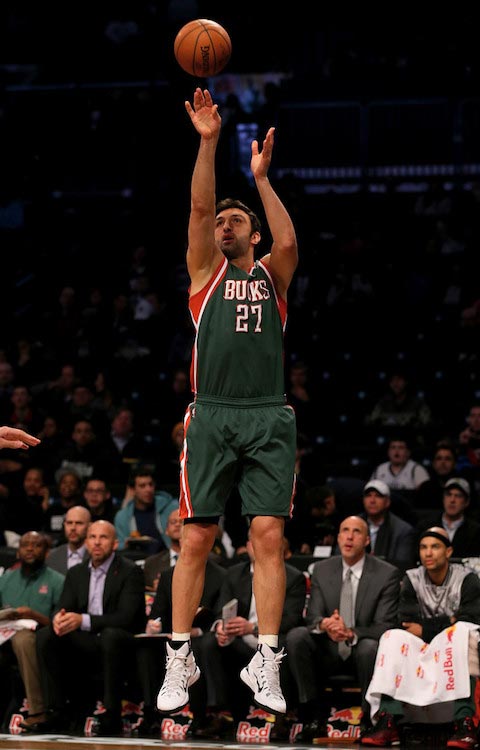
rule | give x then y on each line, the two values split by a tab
238	350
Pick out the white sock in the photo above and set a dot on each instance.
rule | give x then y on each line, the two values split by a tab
180	636
268	640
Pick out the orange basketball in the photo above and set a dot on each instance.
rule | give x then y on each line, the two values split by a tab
202	48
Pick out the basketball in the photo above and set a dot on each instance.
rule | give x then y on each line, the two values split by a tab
202	48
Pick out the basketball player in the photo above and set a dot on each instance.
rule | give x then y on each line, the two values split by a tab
239	428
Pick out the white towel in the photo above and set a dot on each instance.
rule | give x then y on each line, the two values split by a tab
420	673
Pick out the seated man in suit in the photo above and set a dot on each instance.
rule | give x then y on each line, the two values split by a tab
74	551
101	607
225	650
160	562
353	600
390	536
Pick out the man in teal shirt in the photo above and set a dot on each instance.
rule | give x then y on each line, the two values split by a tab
32	591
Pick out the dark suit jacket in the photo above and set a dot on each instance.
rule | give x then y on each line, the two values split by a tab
58	558
155	564
238	585
162	604
123	597
377	598
396	540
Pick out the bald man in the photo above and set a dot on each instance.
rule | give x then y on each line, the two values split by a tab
101	608
74	551
329	644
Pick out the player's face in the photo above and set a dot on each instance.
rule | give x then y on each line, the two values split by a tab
434	554
233	231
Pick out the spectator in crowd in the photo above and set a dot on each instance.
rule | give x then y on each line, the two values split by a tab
433	598
430	493
353	600
400	472
162	561
23	413
400	409
33	591
74	551
55	395
300	396
391	537
98	500
126	448
145	514
231	645
468	463
101	607
463	532
320	528
23	509
85	453
7	378
53	443
67	493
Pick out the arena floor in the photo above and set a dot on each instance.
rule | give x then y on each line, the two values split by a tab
54	742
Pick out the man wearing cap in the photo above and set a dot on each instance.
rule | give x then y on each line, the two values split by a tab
390	536
463	532
438	598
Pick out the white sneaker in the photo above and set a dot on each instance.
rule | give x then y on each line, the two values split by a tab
181	672
262	675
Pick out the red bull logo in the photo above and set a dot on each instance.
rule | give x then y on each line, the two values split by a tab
449	632
172	730
420	672
404	649
398	680
436	656
14	724
259	713
247	733
424	648
129	708
351	715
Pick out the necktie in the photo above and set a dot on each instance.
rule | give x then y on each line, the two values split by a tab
346	611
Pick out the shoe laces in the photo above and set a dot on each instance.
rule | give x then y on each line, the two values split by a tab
269	674
176	673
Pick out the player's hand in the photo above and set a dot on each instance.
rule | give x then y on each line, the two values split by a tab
260	160
413	627
204	114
